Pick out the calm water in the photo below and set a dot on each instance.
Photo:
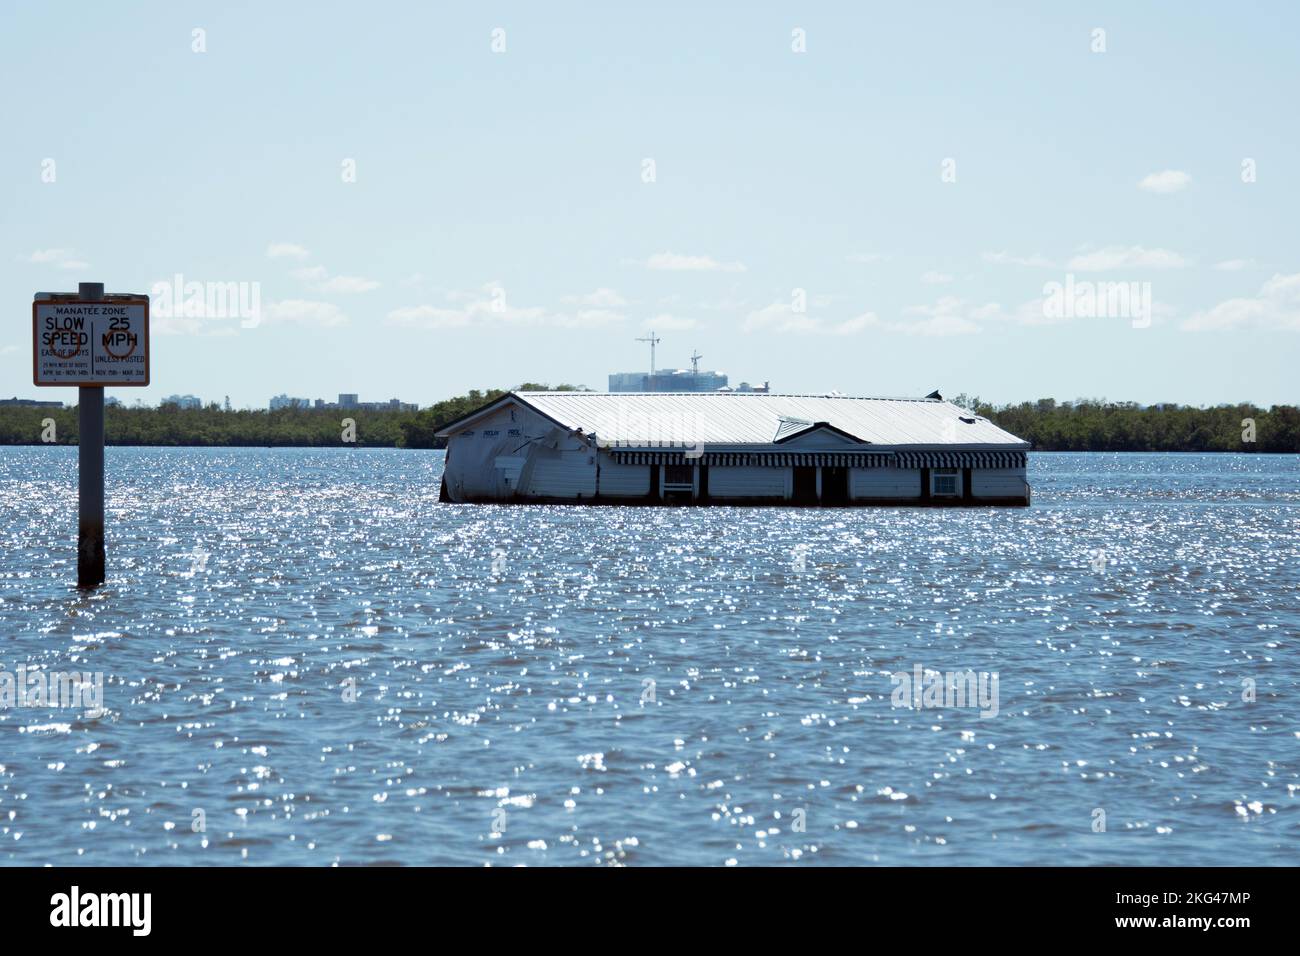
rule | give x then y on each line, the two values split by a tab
308	655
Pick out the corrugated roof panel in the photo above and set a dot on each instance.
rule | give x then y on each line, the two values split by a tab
745	418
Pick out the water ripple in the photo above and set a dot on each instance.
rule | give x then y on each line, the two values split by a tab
307	659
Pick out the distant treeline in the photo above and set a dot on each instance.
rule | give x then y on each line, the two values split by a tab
1099	425
285	427
1083	425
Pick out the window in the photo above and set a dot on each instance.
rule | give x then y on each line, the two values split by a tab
943	482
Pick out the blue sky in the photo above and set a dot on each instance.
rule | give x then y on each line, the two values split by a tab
500	226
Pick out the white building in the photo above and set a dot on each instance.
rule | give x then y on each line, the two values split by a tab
735	448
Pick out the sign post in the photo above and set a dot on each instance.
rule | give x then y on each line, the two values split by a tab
90	340
90	470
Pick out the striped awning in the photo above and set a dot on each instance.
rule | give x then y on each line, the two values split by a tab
782	459
825	459
959	459
652	457
766	459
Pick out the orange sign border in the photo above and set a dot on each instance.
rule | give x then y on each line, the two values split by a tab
72	298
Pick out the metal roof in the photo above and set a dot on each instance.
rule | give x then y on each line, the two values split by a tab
650	419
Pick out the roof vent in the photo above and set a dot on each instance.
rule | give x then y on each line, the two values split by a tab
935	396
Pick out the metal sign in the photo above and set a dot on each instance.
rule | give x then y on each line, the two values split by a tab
90	343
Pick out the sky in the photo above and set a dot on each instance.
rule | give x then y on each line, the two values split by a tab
417	199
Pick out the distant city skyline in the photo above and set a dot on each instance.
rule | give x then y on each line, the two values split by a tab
345	401
1033	201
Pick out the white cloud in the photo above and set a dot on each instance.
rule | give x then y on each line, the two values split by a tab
490	306
725	304
1167	181
670	323
1276	307
1007	259
46	255
582	319
323	282
673	262
1035	312
866	258
62	258
286	250
601	298
1236	265
1126	257
780	317
948	316
854	325
428	317
304	312
184	325
348	284
936	278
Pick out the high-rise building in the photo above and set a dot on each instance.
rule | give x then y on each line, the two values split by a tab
667	380
674	379
347	400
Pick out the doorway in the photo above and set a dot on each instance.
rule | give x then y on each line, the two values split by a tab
805	484
835	486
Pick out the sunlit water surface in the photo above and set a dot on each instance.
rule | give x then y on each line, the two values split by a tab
308	660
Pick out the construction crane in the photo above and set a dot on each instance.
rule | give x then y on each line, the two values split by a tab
695	362
653	340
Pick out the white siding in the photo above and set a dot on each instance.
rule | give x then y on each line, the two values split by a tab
998	482
747	482
885	482
509	468
570	474
624	481
484	461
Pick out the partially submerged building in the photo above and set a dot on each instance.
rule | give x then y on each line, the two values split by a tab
730	448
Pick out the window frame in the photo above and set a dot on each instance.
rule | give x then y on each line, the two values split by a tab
938	473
